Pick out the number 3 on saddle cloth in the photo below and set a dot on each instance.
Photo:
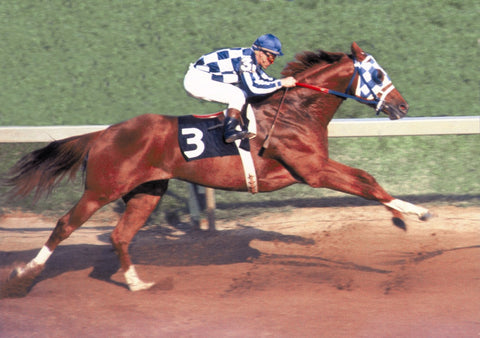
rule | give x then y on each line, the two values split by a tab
202	137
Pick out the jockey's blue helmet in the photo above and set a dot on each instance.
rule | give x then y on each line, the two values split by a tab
269	43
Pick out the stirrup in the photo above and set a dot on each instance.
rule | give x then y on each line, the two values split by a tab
235	135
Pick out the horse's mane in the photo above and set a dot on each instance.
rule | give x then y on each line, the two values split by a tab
304	61
308	59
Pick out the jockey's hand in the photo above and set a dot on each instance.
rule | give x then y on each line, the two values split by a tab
288	81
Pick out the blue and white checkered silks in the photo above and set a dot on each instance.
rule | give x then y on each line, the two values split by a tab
373	83
227	65
223	64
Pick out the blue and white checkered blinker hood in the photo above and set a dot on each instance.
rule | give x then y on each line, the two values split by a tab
373	83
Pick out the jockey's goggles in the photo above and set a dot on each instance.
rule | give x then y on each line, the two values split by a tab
270	56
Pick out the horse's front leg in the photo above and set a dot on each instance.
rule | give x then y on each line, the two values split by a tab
138	209
354	181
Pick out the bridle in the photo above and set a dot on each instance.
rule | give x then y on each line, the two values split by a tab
373	85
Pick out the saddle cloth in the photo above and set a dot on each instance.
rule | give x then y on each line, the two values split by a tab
202	137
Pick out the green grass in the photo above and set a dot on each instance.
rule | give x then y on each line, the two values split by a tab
99	62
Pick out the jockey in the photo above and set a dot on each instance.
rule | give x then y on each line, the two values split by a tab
232	75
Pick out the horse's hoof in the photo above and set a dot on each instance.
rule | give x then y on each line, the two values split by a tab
20	282
426	216
16	273
399	223
139	286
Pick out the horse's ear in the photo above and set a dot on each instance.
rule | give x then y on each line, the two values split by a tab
357	52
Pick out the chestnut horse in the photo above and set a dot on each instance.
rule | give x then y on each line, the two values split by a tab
135	159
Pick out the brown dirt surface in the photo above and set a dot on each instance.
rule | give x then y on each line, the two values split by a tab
330	272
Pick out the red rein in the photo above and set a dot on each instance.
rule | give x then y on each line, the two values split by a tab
318	89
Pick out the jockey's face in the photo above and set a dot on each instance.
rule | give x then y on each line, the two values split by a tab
264	58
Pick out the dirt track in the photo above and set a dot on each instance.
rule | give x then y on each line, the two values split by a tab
332	272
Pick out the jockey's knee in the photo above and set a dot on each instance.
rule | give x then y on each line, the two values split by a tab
237	103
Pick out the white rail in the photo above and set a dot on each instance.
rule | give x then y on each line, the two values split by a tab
409	126
460	125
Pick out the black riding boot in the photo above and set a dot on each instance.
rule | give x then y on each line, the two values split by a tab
232	120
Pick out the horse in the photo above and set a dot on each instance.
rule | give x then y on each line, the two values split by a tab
135	159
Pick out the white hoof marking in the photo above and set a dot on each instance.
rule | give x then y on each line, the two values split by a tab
409	208
134	282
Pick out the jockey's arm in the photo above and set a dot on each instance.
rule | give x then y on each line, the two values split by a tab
260	84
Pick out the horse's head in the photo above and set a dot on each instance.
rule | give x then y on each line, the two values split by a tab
367	83
371	84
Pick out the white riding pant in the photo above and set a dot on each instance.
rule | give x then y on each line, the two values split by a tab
200	85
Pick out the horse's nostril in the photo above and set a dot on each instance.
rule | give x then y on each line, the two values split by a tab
404	108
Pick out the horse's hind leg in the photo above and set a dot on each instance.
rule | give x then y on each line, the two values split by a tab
79	214
140	203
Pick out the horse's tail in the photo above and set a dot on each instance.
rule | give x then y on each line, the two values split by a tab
42	169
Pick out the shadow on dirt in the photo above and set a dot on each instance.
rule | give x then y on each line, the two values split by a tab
180	246
161	246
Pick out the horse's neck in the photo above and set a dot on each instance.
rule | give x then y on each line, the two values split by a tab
335	76
306	106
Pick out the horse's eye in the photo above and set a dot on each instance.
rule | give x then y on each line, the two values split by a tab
377	76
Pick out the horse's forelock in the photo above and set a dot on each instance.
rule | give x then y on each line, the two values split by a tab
308	59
